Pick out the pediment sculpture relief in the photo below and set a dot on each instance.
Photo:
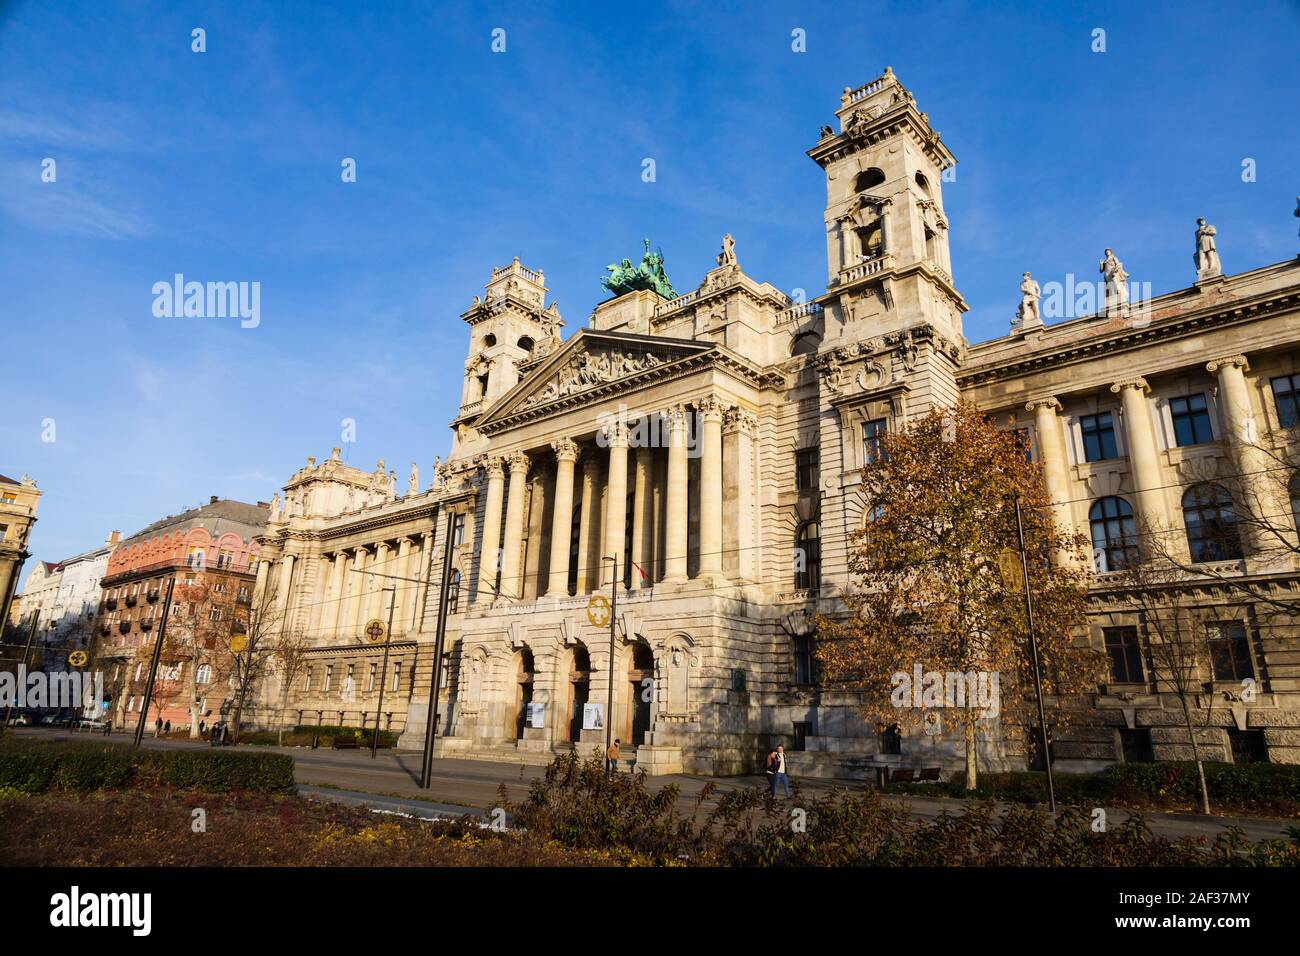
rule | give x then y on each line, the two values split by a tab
591	368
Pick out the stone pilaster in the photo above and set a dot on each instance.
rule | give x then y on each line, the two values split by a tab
615	502
566	455
710	412
740	554
489	558
675	499
511	582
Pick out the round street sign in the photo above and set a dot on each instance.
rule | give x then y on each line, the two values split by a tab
598	610
375	631
78	658
239	643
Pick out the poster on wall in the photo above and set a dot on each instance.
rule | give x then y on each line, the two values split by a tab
593	716
536	715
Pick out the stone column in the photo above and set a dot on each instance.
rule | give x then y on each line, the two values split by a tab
378	581
511	583
589	523
656	548
641	514
282	586
1261	487
338	586
488	558
615	502
1051	453
740	554
675	498
404	584
351	625
566	454
319	595
1142	455
710	411
422	573
259	586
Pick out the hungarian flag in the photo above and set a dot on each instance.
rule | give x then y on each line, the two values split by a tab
645	578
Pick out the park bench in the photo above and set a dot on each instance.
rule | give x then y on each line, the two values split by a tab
902	775
346	743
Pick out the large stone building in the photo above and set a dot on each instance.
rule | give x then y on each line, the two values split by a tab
18	500
703	451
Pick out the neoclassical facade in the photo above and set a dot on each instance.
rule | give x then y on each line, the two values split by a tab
697	460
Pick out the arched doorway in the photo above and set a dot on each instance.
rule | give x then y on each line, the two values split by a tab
579	691
524	693
640	677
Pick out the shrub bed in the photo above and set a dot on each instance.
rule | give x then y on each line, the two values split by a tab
38	766
386	737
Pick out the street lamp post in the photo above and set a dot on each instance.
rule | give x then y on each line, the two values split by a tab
1033	653
383	671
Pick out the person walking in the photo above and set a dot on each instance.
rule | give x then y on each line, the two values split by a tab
203	728
108	727
612	757
167	728
776	772
157	727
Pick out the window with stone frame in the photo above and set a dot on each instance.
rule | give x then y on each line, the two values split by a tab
1114	534
458	530
806	469
453	593
1125	653
1098	433
873	436
804	661
808	557
1286	398
1191	418
1229	650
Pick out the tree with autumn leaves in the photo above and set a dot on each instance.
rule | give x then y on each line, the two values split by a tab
937	578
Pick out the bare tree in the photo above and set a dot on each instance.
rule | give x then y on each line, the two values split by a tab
288	657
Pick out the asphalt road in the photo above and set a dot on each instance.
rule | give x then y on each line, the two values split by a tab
390	781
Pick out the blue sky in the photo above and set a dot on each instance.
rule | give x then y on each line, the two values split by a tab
225	166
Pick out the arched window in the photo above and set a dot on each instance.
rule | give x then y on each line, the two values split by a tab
1114	534
922	183
808	556
868	179
871	240
489	340
526	343
1211	523
805	343
204	674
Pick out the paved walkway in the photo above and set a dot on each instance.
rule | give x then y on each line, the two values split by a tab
391	782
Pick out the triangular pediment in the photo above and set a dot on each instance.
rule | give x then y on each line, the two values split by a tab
587	365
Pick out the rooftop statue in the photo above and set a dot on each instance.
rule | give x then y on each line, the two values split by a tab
649	275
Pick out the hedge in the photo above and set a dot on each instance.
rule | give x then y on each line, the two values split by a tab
1170	781
386	737
36	767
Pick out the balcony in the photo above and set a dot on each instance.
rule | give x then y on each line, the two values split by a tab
105	629
146	625
152	597
132	600
124	627
110	604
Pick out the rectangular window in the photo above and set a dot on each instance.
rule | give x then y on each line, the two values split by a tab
1248	746
1286	396
803	659
1230	651
1098	437
873	434
329	677
891	740
306	684
1191	416
458	530
370	680
801	731
397	675
1125	654
806	468
1135	745
1024	442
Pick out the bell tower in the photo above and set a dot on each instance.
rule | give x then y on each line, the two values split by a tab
888	267
508	328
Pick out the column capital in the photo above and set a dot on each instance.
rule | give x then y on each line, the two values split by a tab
1049	401
1137	382
405	541
565	449
710	409
1227	361
492	465
675	416
518	462
736	419
614	434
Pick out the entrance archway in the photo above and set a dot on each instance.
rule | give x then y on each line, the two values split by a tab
640	677
524	691
579	691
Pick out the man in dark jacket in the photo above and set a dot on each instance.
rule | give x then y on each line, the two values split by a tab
776	772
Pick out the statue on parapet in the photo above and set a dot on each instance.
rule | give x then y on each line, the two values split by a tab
1027	316
648	275
1207	251
727	257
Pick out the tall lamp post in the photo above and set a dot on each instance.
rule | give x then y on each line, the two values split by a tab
383	671
1033	652
613	617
